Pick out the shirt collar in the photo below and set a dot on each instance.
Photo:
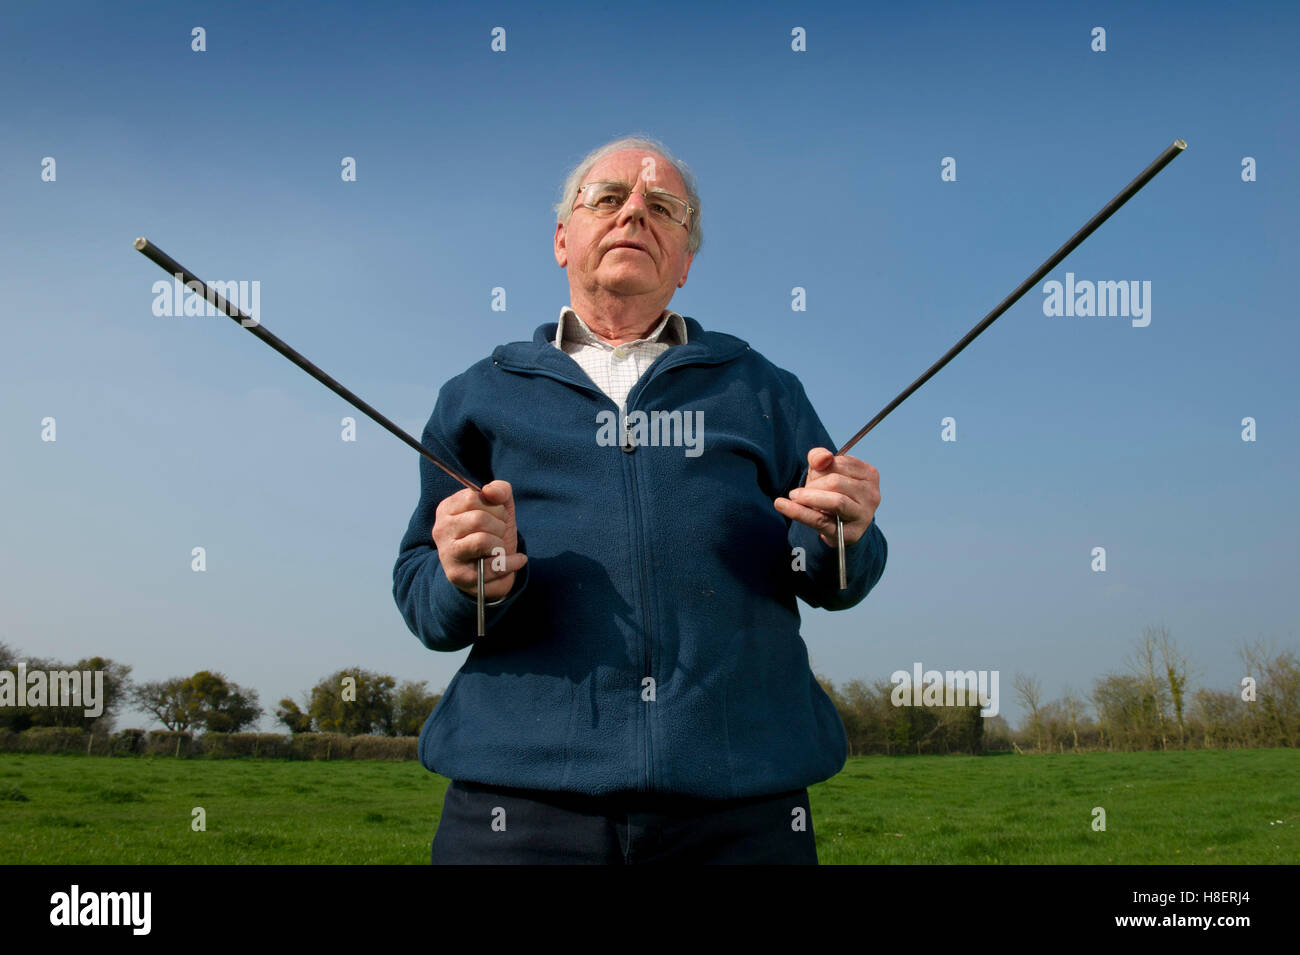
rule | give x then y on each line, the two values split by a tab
574	329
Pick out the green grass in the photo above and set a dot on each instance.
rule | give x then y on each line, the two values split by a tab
1194	807
101	811
1208	806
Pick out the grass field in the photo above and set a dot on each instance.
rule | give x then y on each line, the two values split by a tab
1217	807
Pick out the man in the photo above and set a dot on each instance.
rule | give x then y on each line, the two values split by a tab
643	693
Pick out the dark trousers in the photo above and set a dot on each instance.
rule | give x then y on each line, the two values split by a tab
485	825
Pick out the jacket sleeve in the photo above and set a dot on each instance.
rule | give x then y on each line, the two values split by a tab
440	614
819	584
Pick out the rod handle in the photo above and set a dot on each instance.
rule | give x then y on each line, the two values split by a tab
482	613
839	548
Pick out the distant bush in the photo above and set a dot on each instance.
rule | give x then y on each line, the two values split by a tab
50	739
169	743
257	745
127	742
322	746
393	748
172	743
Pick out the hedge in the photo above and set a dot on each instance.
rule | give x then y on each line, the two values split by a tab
138	742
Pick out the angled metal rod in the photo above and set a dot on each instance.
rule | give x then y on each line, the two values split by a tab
1165	158
172	267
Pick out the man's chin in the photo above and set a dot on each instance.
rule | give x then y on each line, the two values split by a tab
621	283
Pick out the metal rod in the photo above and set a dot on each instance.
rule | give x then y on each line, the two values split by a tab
482	625
172	267
1165	158
839	547
1127	193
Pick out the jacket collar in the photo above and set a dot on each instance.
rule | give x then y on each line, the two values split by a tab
671	330
541	355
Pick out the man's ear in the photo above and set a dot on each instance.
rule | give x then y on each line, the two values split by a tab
686	271
561	251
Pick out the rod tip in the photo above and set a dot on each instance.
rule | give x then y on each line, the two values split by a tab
1180	143
140	243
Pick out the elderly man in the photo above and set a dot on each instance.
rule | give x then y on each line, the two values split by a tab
655	499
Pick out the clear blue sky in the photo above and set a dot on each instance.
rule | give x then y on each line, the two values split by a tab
818	169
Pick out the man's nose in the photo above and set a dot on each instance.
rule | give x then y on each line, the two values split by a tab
634	206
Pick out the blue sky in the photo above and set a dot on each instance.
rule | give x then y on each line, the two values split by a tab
818	169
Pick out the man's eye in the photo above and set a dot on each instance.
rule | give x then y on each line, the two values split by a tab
608	199
659	209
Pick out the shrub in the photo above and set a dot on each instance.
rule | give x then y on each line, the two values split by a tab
393	748
322	746
261	745
52	739
127	743
169	743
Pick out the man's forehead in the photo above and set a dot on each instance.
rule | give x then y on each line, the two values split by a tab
630	164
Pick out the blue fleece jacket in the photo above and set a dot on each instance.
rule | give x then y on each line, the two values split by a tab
651	643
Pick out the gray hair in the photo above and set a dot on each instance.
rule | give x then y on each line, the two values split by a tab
569	191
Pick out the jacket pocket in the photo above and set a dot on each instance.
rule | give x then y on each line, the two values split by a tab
426	732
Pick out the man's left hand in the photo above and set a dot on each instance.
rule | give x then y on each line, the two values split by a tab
844	486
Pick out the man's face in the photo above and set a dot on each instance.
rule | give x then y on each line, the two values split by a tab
632	252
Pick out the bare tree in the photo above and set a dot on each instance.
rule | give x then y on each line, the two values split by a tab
1221	717
1176	667
1029	694
1145	665
167	700
1120	703
1274	715
1075	709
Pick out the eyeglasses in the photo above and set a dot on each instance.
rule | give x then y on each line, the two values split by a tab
607	198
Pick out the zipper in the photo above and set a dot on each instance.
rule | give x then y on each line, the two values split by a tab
647	634
638	546
638	523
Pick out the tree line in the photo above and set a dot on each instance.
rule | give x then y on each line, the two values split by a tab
352	702
1150	703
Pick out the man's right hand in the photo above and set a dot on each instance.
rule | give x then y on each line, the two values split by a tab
467	526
